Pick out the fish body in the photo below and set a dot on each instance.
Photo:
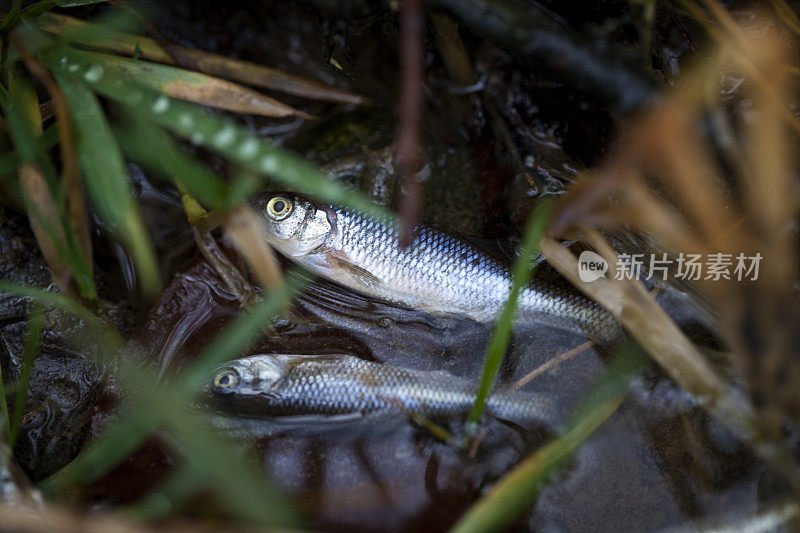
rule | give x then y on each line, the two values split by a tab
437	273
284	385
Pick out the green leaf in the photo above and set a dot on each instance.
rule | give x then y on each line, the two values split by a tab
49	299
125	434
78	3
107	180
196	87
5	418
501	335
21	111
32	341
154	149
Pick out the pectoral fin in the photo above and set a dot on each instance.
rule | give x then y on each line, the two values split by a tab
360	275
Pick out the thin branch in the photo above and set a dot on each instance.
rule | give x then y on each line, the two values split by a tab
411	100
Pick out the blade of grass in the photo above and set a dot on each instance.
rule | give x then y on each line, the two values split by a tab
198	88
648	323
239	485
786	14
43	6
107	180
56	238
78	3
127	433
155	150
12	16
238	336
49	299
5	421
211	131
96	35
515	492
70	171
32	340
25	134
501	335
117	441
161	501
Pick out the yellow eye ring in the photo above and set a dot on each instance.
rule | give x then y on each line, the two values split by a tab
226	379
279	208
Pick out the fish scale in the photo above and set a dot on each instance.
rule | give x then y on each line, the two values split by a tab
462	279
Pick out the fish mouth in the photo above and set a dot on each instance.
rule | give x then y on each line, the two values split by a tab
253	402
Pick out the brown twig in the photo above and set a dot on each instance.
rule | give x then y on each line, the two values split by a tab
551	363
411	100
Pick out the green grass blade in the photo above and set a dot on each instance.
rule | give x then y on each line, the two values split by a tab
107	180
234	340
10	161
60	247
40	7
78	3
514	493
49	299
28	144
127	433
32	341
12	16
214	132
5	419
168	496
117	441
241	487
154	149
501	335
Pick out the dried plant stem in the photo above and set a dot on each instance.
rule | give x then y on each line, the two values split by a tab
552	363
411	100
223	266
247	233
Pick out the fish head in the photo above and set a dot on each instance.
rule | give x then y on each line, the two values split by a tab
245	381
294	226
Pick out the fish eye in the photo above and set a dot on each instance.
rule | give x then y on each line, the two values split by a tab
279	208
226	379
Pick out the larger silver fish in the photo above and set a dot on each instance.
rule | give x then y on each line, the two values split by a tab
281	385
438	273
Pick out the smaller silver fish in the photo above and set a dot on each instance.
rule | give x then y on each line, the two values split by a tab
281	385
